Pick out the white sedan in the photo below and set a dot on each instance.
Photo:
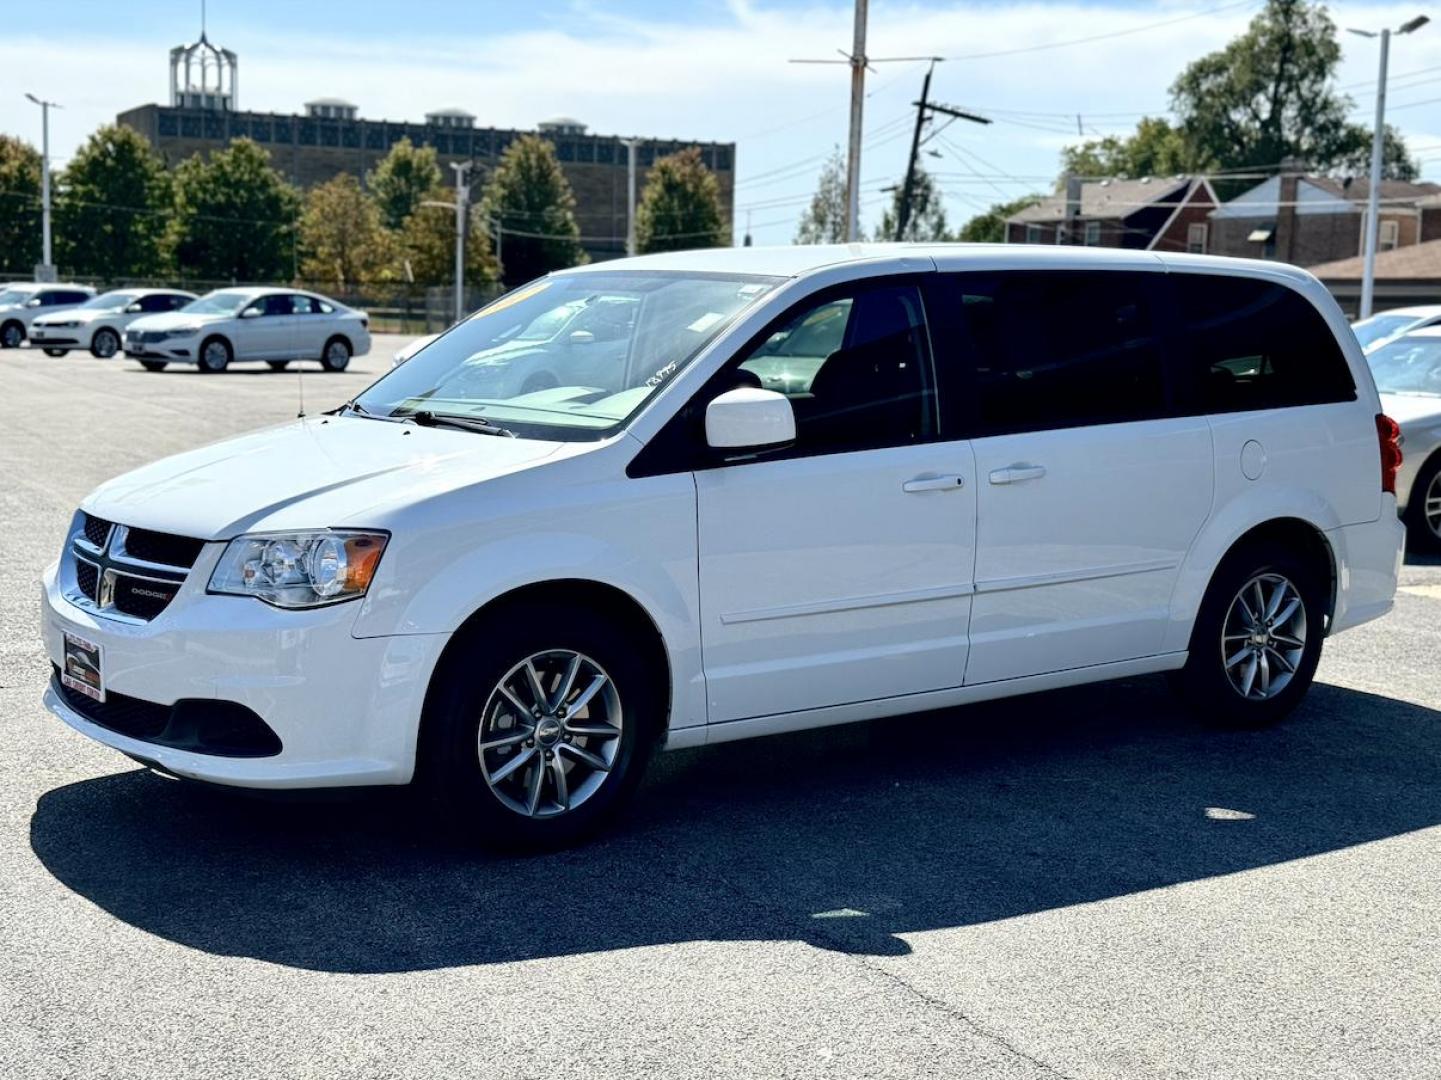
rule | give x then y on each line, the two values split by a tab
23	302
98	323
271	325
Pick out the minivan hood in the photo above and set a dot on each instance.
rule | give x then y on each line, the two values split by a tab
313	473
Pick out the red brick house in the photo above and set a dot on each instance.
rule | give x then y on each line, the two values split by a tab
1153	213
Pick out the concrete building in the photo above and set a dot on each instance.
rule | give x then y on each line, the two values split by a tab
329	137
1153	213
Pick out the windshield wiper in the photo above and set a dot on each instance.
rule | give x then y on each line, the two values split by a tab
426	418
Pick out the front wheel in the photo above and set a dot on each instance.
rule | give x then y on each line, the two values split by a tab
105	343
538	739
56	352
214	356
1257	638
336	356
1423	509
11	335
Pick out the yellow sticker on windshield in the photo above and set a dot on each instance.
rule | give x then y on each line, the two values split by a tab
510	299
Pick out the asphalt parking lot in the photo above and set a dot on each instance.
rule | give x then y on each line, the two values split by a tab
1083	884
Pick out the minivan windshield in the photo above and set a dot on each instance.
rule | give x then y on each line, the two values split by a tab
111	301
1408	365
217	303
1377	327
571	356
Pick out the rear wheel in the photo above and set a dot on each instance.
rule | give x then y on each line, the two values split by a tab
1257	638
214	355
11	335
1423	510
105	343
278	365
153	365
56	352
336	356
537	739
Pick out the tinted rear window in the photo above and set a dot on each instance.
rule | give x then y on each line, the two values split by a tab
1257	345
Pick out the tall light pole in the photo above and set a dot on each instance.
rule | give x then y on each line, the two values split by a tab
630	145
462	201
1378	138
853	151
46	270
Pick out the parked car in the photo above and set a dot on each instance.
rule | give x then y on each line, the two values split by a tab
98	323
260	324
1408	374
1388	324
22	302
1014	470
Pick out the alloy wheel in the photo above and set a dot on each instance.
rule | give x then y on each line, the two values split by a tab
337	355
1264	636
215	356
12	336
550	733
1431	507
106	344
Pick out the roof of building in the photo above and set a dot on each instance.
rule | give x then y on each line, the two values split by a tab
1322	195
1410	263
1107	199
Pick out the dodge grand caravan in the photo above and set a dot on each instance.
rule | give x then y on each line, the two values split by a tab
783	489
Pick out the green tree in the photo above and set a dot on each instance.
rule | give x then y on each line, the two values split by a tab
426	245
680	207
1154	149
1269	95
824	221
404	177
19	206
112	207
990	227
927	219
530	198
235	216
341	238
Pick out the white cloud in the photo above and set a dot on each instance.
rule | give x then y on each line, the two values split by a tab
728	78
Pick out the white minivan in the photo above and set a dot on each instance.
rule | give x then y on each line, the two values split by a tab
784	489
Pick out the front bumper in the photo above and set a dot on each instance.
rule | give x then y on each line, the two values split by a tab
346	709
66	337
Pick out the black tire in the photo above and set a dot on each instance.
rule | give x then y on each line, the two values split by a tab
56	352
153	365
105	344
449	758
278	365
336	354
12	335
1422	535
1204	684
214	356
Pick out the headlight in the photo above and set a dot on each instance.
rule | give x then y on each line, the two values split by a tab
299	570
182	331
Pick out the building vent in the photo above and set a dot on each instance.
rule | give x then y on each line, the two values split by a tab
450	118
561	125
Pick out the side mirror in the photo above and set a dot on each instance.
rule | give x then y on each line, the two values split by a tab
581	337
33	302
251	313
132	309
748	418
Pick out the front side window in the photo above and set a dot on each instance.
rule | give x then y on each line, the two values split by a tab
1408	365
1059	349
571	356
856	369
1256	344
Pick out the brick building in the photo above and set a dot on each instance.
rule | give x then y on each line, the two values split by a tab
1309	220
1153	213
329	138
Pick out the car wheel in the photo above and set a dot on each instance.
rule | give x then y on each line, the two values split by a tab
336	356
278	365
536	739
56	352
1423	511
214	355
11	335
153	365
105	343
1257	638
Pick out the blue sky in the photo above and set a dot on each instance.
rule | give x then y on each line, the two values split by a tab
705	70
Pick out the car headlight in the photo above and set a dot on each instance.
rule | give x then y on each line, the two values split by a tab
300	569
182	331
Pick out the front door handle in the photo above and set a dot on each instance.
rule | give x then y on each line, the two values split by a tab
1015	474
935	483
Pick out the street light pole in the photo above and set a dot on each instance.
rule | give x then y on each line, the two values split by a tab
630	145
462	200
45	258
1378	139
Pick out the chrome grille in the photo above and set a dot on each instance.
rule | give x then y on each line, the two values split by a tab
126	573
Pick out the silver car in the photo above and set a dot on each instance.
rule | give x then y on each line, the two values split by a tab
1408	374
270	325
23	302
1385	325
99	323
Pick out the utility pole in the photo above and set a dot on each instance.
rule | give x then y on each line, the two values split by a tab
630	145
853	151
462	202
46	270
924	108
1378	138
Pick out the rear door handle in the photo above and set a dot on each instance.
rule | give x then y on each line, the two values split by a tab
949	482
1015	474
